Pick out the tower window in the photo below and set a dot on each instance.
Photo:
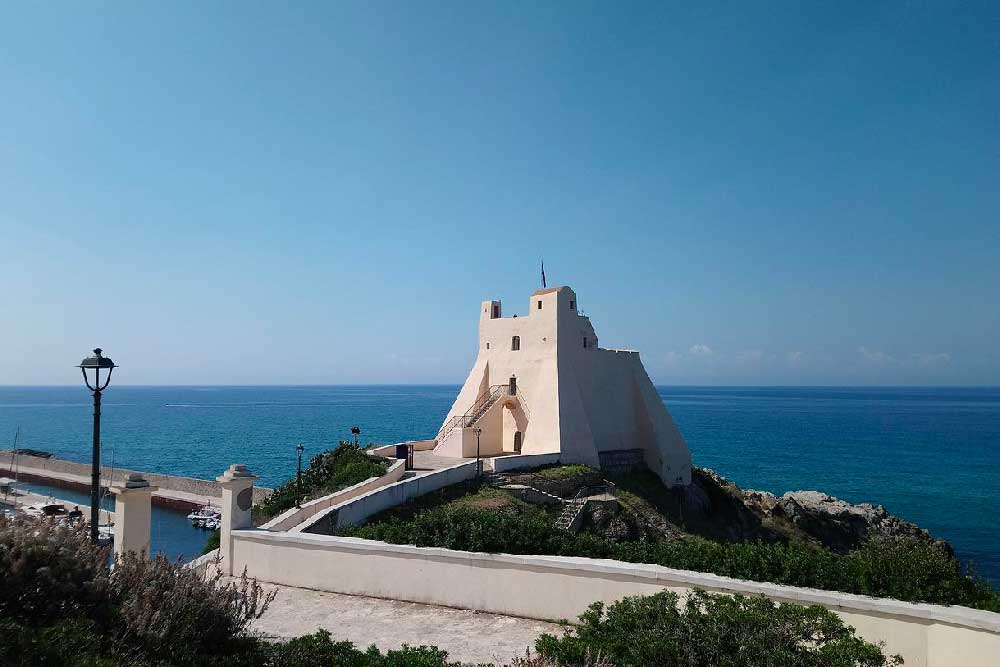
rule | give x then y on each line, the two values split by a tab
487	346
539	305
585	342
496	311
515	343
572	305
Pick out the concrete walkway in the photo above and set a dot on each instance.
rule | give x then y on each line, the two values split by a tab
469	637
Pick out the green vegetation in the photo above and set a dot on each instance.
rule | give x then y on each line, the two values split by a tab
469	518
712	630
328	472
564	472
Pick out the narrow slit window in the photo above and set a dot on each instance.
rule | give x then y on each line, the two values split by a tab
539	305
515	343
572	305
585	342
487	346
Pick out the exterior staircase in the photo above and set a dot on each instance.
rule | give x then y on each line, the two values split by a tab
474	413
570	511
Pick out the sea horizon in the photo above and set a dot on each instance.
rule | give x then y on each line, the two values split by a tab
875	444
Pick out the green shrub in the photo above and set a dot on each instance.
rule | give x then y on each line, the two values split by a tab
712	631
328	472
319	650
213	542
897	568
167	609
564	472
61	603
50	572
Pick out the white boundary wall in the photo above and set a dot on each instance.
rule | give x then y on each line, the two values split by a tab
297	515
360	508
554	587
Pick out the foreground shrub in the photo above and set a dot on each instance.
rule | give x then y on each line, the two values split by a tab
166	609
320	650
328	472
712	631
60	603
896	568
50	572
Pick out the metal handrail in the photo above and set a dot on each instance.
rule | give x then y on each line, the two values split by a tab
477	410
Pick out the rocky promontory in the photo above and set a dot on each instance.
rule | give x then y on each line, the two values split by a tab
716	504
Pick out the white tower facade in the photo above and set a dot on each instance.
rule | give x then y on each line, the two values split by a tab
541	385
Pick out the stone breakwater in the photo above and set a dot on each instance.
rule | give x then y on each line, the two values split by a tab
173	492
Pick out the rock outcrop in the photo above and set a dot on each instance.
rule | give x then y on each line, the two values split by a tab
750	514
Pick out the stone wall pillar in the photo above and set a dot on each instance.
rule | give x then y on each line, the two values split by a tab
237	500
133	514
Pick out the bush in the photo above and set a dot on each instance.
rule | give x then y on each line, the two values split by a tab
51	572
712	631
319	650
60	603
166	609
898	568
328	472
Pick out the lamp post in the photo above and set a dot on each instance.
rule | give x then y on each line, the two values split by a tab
96	363
479	466
298	476
355	431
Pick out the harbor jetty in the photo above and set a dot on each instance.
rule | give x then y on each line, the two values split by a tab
175	492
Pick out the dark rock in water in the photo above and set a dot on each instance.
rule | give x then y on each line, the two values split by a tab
33	452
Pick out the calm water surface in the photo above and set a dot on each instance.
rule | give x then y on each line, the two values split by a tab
930	455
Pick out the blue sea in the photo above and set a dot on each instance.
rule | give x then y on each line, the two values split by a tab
930	455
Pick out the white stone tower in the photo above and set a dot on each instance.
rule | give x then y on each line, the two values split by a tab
541	385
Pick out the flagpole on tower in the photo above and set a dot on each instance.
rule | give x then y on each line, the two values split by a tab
543	274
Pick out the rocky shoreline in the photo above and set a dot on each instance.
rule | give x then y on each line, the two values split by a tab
813	515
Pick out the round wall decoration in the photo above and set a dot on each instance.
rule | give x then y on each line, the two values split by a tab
244	499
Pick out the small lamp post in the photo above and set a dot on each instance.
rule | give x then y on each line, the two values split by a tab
96	363
355	431
298	475
479	466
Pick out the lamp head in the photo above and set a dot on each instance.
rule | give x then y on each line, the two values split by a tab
96	363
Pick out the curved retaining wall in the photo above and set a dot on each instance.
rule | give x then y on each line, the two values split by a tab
297	515
555	587
360	508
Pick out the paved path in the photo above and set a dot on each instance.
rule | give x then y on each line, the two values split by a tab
468	636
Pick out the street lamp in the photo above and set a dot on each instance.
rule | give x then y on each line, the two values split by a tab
298	475
355	431
479	466
96	363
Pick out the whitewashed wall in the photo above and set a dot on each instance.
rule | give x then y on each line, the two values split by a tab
553	587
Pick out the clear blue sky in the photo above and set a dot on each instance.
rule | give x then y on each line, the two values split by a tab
252	193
